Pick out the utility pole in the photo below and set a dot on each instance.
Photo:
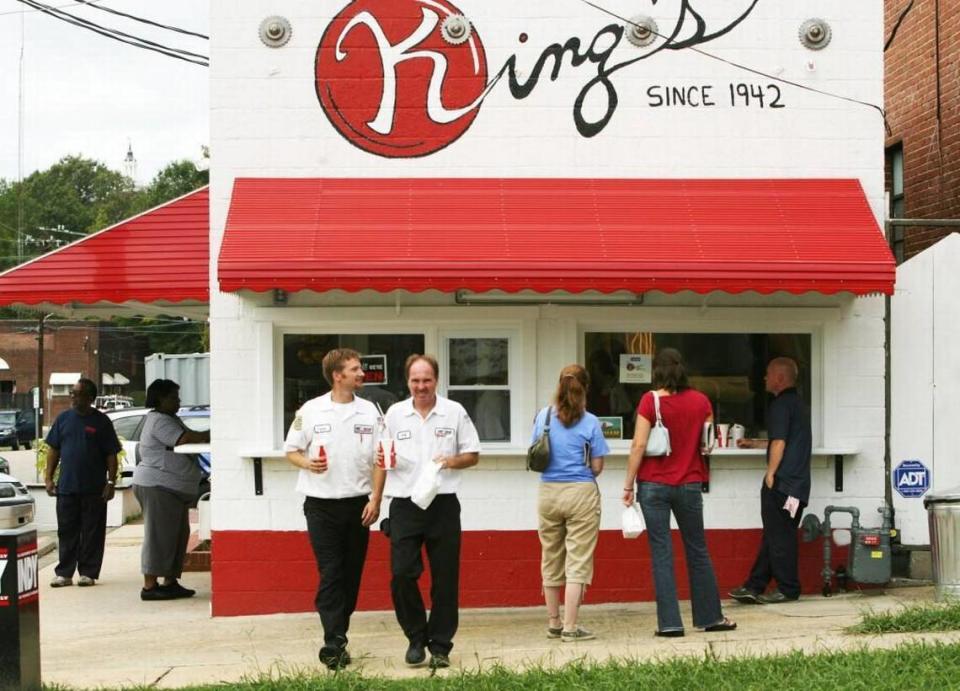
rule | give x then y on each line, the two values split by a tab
40	374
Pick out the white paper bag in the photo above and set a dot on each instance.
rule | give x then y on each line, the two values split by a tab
427	484
633	524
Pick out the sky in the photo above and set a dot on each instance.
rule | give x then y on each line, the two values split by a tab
89	95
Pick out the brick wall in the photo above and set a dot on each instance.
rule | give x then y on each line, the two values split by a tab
68	346
930	136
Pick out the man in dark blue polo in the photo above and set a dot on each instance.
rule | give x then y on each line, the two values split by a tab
785	490
83	443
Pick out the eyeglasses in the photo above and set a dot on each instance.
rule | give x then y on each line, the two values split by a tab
77	393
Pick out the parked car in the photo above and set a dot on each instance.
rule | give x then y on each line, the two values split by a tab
17	427
112	402
128	424
4	466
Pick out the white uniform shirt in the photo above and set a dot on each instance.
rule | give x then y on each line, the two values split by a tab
348	433
446	431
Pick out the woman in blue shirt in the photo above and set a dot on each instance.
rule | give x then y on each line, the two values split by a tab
569	502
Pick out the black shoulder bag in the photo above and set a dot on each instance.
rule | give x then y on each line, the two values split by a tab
538	455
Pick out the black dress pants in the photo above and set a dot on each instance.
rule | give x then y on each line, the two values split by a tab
339	542
777	558
81	533
437	529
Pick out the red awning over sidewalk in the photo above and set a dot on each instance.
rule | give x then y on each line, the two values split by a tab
554	234
160	256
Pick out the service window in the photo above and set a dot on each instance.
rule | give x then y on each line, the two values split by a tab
728	368
478	377
382	357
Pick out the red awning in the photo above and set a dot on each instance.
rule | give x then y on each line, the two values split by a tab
554	234
162	255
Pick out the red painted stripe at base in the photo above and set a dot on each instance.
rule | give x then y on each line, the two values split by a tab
264	572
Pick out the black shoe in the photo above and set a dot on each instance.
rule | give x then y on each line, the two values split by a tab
744	595
439	661
156	593
669	634
775	598
177	591
416	654
334	657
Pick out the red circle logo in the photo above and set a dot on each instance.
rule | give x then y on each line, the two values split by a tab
400	78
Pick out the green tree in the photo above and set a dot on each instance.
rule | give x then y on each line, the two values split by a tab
75	195
174	181
166	334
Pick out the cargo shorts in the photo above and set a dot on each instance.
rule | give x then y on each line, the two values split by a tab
569	526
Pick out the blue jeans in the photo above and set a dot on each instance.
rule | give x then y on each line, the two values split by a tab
686	503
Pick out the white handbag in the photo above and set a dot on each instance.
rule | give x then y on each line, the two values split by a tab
632	522
658	443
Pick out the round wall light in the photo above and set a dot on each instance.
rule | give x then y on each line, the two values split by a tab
275	31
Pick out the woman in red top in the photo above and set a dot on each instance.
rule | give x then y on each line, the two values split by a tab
673	483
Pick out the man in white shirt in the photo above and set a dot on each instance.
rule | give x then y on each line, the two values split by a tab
427	428
332	440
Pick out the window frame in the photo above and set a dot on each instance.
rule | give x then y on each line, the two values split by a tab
756	324
272	324
514	365
897	239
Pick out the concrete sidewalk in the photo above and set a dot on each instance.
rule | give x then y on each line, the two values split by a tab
106	636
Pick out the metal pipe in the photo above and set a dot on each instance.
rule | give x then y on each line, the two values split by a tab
904	222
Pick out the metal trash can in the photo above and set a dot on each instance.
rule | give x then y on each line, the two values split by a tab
943	514
19	589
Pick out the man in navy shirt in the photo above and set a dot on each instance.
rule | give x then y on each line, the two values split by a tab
785	490
83	443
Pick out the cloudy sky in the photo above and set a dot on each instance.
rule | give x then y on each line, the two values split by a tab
87	94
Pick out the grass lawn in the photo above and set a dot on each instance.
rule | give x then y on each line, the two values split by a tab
916	618
912	666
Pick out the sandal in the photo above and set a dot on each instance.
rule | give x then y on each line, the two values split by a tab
725	625
676	633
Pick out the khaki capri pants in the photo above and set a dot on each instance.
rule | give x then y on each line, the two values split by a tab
569	527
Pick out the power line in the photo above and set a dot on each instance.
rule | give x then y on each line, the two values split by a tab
120	36
90	3
86	23
740	66
22	12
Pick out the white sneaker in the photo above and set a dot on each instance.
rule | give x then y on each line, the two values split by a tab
85	581
60	582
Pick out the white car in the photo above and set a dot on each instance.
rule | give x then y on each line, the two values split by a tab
128	423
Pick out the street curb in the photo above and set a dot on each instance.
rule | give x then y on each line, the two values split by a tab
45	546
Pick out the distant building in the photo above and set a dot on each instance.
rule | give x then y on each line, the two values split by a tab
71	349
922	87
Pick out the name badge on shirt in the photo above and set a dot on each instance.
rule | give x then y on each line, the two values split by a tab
404	434
320	429
363	429
442	432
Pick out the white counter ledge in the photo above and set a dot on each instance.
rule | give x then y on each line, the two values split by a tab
619	451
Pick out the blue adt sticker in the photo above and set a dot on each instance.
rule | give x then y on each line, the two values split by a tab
911	479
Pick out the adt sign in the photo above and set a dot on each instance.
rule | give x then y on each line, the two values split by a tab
911	479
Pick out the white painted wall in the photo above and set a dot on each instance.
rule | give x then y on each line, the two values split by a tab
925	375
266	121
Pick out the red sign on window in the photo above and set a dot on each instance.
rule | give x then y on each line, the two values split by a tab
374	369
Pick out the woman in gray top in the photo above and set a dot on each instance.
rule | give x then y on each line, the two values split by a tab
165	483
